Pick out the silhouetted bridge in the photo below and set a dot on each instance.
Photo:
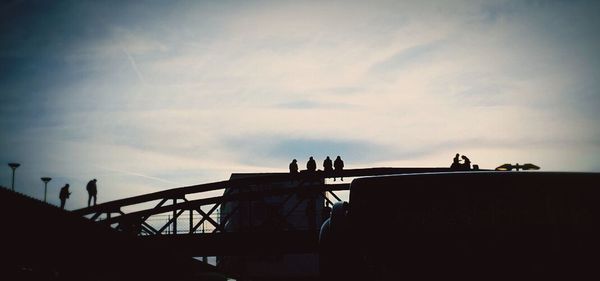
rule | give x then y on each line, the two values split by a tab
195	239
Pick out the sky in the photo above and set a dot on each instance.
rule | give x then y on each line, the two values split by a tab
152	95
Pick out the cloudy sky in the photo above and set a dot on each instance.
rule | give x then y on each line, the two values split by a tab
150	95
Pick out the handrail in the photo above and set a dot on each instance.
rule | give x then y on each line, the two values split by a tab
180	192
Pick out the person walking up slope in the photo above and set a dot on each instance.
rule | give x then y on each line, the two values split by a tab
63	195
92	191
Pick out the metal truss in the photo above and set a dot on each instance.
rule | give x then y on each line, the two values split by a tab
175	202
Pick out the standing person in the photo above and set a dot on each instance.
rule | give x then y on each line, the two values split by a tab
311	165
327	165
338	165
63	195
294	167
92	191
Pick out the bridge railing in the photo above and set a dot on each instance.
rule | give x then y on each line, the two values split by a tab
175	202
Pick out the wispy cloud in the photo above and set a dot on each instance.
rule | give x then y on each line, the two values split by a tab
134	66
141	175
159	95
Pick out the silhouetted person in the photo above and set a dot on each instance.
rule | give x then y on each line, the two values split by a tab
311	165
294	167
455	162
328	165
338	165
467	163
63	195
92	191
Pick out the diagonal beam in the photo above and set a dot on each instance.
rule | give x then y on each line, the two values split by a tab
192	230
334	196
209	219
161	203
326	199
177	214
149	227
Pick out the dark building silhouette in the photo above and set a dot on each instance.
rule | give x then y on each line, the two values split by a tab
467	226
300	211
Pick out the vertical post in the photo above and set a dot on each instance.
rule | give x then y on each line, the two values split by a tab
174	217
13	166
45	180
168	228
191	220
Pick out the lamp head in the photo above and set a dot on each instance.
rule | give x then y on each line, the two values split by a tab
46	179
14	165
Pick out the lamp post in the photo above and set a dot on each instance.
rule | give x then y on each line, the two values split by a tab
524	167
13	166
46	180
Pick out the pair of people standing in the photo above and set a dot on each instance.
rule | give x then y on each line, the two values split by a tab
90	187
337	166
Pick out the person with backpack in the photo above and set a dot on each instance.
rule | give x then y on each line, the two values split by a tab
92	191
64	195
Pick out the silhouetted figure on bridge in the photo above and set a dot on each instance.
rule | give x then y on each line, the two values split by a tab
63	195
311	165
455	162
328	166
466	165
294	167
92	191
338	165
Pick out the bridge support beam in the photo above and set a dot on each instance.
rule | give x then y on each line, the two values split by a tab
175	217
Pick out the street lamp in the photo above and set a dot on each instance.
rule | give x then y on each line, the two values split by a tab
13	166
46	180
524	167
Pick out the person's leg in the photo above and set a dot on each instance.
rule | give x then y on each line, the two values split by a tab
89	199
95	195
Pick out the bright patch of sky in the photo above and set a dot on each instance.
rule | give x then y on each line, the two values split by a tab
151	95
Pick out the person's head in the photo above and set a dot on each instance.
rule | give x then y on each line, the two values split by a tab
94	180
456	155
294	160
463	157
337	157
327	157
311	158
67	186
